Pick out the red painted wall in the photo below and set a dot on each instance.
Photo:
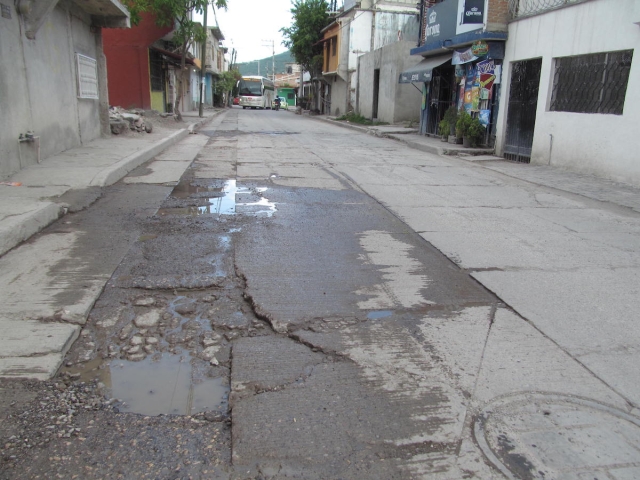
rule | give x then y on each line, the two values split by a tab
127	52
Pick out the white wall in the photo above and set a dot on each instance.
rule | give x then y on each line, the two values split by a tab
604	145
394	27
396	102
359	36
38	86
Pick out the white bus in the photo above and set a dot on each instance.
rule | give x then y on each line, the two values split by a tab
256	92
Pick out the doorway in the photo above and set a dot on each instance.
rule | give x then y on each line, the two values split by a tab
376	92
521	111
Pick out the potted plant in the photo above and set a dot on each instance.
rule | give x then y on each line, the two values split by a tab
475	132
451	117
443	130
462	127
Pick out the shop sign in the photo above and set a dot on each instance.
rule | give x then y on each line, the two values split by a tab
480	48
441	21
473	12
487	76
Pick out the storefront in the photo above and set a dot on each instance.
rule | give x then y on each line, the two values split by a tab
461	66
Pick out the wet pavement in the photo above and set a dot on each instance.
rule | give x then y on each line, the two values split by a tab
286	299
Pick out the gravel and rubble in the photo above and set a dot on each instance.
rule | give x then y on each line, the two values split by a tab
139	121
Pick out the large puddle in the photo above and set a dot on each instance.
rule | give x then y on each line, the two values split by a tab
165	383
226	200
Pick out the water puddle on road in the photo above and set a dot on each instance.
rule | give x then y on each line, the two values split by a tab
162	384
226	200
375	315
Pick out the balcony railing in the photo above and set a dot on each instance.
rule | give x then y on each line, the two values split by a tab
528	8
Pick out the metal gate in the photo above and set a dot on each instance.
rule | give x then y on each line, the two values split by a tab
443	92
521	113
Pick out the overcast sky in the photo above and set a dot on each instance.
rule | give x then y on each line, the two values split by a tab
248	24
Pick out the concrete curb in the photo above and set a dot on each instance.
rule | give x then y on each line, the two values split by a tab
28	225
402	137
119	170
115	172
444	151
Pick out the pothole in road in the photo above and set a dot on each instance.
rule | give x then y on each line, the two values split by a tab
162	384
158	353
230	199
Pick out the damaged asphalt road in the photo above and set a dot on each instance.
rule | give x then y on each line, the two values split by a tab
266	318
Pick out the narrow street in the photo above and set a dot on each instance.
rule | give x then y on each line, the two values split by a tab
286	298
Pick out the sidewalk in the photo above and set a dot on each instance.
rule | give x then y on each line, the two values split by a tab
589	186
63	183
47	188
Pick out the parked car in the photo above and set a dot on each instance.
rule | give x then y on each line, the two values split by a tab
236	100
283	103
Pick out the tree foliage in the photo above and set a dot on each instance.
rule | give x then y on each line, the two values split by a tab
301	38
226	81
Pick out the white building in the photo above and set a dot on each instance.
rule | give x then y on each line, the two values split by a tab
571	95
362	27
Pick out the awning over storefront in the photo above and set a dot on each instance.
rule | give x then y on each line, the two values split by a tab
422	71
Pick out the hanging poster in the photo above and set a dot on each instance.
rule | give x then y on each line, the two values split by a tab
487	71
487	74
484	117
461	94
475	98
463	57
472	89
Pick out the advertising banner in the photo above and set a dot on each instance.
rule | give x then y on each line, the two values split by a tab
473	12
441	21
487	73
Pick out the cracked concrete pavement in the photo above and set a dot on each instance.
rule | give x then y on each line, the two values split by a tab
432	317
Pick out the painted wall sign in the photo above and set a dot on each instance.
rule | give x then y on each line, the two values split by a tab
473	12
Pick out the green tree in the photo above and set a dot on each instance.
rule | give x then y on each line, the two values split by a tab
226	81
177	13
301	38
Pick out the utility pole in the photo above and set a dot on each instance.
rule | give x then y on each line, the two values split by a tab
203	57
272	44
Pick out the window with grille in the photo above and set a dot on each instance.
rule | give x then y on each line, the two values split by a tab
156	71
87	77
595	83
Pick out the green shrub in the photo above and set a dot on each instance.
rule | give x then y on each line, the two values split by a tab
353	117
451	115
476	131
463	123
443	128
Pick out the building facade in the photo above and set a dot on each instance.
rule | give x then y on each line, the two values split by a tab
361	27
53	93
462	49
137	65
571	87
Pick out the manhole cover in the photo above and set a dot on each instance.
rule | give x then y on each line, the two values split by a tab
529	436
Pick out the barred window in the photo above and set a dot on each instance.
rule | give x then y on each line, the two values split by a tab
595	83
156	71
87	77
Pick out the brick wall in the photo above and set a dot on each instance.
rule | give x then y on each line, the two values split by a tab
497	15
